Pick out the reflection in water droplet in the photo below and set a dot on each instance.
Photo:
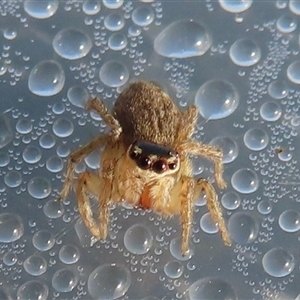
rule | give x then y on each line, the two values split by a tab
11	227
138	239
117	41
216	99
41	9
211	288
278	262
24	126
72	43
64	280
47	141
231	200
33	290
294	6
243	228
208	225
63	127
245	53
113	4
173	269
43	240
114	74
236	6
245	181
47	78
54	164
289	221
35	265
183	39
286	23
109	281
91	7
9	259
264	207
278	89
39	187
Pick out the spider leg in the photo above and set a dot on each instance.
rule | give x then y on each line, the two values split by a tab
186	212
210	152
214	208
76	157
98	106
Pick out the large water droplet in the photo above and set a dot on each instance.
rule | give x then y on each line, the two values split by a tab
11	227
5	131
114	74
182	39
47	78
72	43
41	9
236	6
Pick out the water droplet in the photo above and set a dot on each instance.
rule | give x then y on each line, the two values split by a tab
4	159
245	181
183	39
72	43
54	164
245	53
138	239
6	134
33	290
114	74
278	262
43	240
243	228
264	207
286	23
9	259
294	6
289	221
211	288
78	96
228	146
32	154
117	41
216	99
231	200
143	16
64	280
41	9
278	89
47	78
236	6
91	7
113	4
47	141
69	254
114	22
63	127
256	139
109	281
53	209
11	227
35	265
13	179
173	269
175	249
24	126
293	72
39	187
208	225
270	111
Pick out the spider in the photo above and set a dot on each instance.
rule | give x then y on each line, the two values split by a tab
145	162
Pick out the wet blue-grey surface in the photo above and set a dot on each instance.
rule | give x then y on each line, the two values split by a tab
238	61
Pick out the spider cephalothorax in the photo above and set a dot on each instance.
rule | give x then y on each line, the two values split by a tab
146	161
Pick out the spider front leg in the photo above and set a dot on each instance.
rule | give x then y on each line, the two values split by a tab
214	208
209	152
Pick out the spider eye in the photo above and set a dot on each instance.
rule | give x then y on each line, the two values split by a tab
172	166
159	166
144	162
133	154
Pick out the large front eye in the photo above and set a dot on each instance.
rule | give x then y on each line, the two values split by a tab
144	162
159	166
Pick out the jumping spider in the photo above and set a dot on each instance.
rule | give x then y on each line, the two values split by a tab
145	162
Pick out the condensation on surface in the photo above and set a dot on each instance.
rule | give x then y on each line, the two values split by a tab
244	79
